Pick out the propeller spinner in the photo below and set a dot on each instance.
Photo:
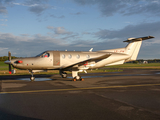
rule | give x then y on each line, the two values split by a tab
9	58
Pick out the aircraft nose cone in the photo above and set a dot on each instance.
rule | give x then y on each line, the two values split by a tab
7	62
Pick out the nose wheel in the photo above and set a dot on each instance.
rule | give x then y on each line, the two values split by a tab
32	78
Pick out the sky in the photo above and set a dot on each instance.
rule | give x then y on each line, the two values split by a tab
29	27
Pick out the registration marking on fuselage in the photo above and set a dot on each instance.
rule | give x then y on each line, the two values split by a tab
74	89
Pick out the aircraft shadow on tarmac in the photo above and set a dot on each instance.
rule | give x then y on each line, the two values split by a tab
69	78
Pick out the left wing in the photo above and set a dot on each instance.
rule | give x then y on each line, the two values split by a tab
85	62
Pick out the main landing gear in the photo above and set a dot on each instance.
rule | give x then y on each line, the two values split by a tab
76	76
63	74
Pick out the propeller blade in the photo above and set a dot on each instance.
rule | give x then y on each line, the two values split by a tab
9	56
10	69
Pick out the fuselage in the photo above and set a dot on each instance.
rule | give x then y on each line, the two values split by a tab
77	61
52	60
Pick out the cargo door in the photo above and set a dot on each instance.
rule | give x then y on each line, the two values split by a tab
56	58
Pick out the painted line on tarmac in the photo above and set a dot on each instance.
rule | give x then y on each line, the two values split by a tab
73	89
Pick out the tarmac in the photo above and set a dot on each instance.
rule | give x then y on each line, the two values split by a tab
133	94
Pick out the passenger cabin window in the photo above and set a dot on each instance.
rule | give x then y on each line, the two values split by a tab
69	56
63	56
78	56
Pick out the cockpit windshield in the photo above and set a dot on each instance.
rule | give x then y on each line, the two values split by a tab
43	54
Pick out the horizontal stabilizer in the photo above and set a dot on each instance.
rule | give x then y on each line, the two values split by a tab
138	39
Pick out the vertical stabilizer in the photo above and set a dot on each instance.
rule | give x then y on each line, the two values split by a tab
133	47
132	50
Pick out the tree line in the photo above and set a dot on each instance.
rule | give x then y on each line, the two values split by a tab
148	61
4	58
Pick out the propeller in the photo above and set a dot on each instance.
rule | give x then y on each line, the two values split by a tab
9	58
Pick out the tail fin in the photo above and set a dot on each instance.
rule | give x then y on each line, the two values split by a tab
133	47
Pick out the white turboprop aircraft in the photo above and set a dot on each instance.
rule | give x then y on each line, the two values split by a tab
75	61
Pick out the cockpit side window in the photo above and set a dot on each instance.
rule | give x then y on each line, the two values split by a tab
46	55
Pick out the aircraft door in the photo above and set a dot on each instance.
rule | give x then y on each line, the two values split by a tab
56	58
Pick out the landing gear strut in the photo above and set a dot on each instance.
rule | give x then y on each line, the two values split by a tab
32	78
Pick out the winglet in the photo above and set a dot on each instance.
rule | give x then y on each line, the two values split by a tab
138	39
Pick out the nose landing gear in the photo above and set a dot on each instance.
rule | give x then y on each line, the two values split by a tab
32	78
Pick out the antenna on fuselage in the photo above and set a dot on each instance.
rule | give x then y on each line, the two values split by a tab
91	50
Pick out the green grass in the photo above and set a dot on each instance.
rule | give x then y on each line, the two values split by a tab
116	68
3	66
2	63
131	65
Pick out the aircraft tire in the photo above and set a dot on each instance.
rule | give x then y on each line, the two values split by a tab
32	78
64	75
81	79
78	78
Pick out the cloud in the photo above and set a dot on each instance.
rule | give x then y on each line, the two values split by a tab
109	38
139	30
53	16
35	6
28	44
3	24
124	7
59	30
1	49
77	13
38	9
3	4
8	1
147	7
3	9
86	33
60	17
4	20
61	39
34	2
50	27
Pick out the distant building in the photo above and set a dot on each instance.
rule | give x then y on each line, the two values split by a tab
145	62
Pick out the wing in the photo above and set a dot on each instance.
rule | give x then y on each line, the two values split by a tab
85	62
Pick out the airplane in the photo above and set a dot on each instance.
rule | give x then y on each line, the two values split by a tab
77	61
